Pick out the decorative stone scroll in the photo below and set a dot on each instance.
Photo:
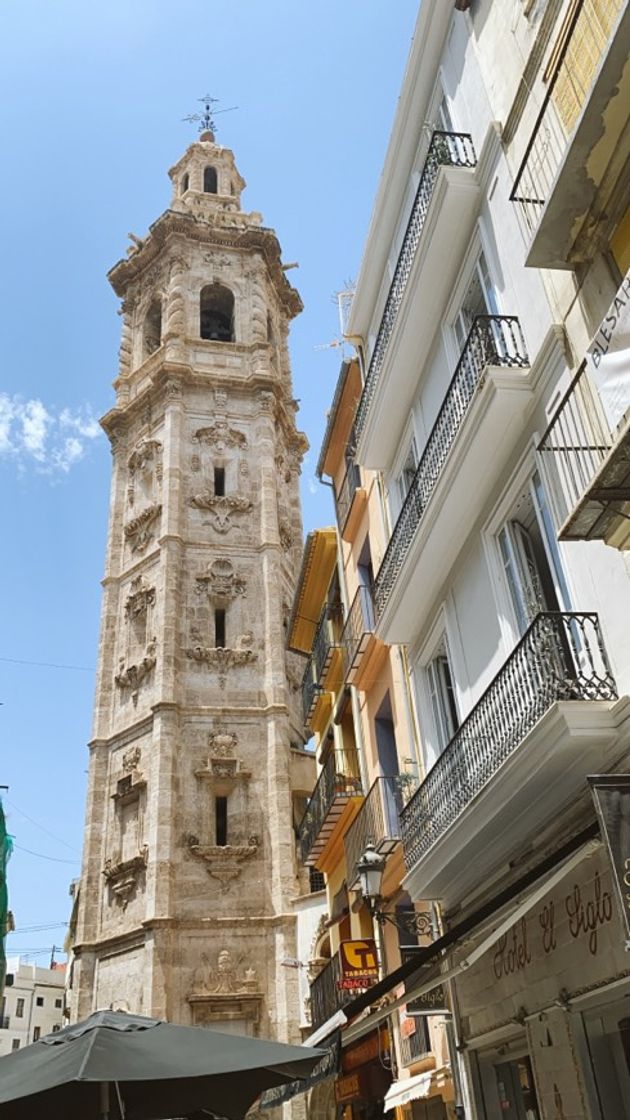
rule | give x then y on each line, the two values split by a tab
141	597
123	876
220	436
146	455
221	581
222	508
131	677
140	531
220	658
223	862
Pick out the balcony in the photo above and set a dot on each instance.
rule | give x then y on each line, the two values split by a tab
377	823
326	655
521	756
350	502
482	409
334	801
574	162
588	466
326	997
360	645
437	234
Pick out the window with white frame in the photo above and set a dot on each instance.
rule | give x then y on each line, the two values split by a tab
479	299
530	558
442	694
406	472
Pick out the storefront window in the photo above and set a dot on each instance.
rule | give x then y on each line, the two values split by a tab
515	1087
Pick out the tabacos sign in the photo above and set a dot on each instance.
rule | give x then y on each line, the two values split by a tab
358	964
611	794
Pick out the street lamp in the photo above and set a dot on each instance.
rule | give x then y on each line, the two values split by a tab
370	869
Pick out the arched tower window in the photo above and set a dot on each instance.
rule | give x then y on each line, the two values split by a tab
185	183
210	180
152	330
216	313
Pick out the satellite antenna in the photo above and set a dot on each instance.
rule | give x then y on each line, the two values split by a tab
343	299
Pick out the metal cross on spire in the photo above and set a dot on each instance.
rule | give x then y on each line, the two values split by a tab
206	119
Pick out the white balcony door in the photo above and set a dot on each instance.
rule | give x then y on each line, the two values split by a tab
443	702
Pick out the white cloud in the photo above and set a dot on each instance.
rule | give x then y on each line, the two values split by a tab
31	433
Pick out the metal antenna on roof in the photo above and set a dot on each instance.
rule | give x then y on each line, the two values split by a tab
205	120
343	299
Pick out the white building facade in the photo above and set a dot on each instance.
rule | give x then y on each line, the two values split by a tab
497	252
32	1005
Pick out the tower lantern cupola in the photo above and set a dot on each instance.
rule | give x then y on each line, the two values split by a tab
207	176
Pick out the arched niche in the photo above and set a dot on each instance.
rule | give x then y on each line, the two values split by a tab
216	313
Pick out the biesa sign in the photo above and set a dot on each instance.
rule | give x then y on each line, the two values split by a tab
359	964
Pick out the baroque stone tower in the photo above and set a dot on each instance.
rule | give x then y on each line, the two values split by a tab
189	861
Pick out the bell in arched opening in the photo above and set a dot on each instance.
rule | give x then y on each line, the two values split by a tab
216	313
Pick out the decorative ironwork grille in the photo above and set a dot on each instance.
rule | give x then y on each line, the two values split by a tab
323	644
576	443
347	490
568	86
451	149
494	340
377	822
310	691
359	622
326	998
416	1045
560	657
339	779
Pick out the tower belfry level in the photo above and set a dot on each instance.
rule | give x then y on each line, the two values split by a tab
189	861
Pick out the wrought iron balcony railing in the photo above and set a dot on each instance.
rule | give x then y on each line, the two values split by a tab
576	443
358	626
347	490
447	149
310	691
560	657
585	41
416	1045
338	782
324	643
377	823
326	997
494	340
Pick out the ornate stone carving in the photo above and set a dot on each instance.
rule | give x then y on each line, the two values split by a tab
223	862
222	767
148	452
219	658
227	978
140	530
130	677
173	390
123	876
220	581
220	435
220	399
131	759
222	743
222	508
140	598
266	401
285	533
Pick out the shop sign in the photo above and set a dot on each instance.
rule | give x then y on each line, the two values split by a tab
433	1002
608	356
359	964
611	794
349	1088
368	1050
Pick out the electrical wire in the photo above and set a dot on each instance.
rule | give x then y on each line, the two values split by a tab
47	664
40	826
38	929
53	859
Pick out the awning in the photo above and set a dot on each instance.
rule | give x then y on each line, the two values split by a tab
409	1089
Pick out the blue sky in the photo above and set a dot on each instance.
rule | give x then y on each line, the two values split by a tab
91	101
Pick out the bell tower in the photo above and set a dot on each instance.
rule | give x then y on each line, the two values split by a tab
189	860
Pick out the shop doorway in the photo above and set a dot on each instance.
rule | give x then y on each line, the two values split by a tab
608	1036
516	1090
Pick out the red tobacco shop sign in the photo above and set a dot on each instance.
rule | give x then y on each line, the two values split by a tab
359	964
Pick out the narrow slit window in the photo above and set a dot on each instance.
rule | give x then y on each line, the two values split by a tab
219	482
219	628
220	812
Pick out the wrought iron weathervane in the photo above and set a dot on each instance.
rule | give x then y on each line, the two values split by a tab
206	120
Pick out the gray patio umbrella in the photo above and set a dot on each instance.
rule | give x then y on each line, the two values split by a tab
126	1067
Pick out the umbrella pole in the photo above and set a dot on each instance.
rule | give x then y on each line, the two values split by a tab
104	1101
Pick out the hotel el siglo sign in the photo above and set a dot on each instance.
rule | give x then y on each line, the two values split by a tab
359	964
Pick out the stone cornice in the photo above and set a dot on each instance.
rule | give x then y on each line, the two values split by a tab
172	223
